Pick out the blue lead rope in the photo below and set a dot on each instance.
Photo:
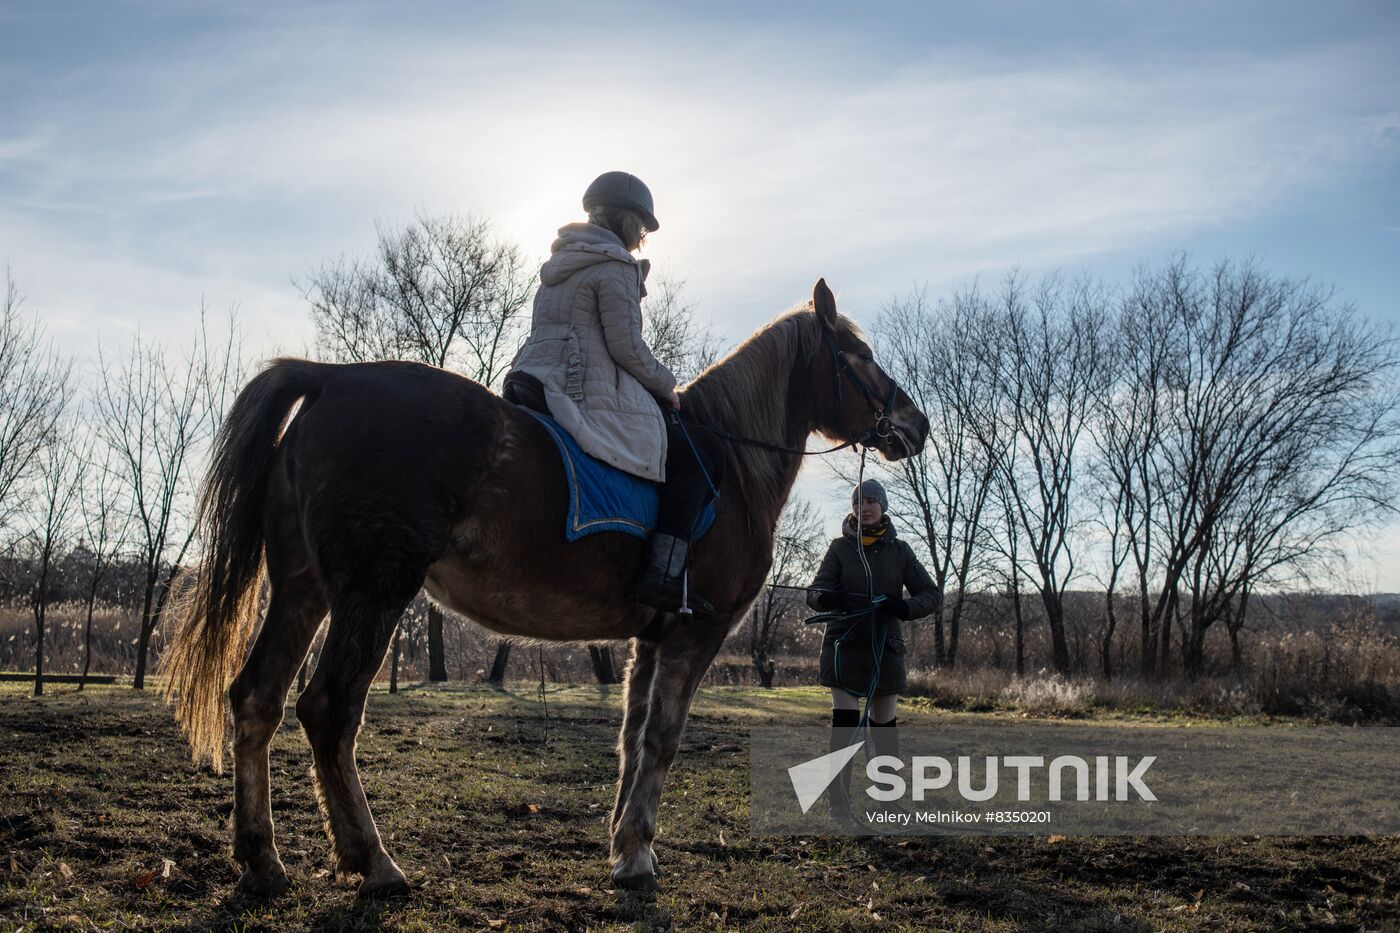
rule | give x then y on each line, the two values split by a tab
879	630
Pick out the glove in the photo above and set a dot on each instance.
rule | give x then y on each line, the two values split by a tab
898	607
852	602
829	601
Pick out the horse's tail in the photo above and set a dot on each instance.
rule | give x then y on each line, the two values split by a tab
215	615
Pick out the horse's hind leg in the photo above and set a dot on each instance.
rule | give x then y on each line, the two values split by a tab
258	697
332	711
682	658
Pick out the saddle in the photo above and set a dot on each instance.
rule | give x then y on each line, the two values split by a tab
525	390
601	497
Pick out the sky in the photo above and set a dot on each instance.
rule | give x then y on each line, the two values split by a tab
156	156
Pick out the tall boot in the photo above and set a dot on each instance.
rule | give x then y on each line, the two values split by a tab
844	723
884	740
662	584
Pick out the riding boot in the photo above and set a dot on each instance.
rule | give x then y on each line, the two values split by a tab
844	723
884	740
662	584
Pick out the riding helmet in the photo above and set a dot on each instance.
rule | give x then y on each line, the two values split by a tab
620	189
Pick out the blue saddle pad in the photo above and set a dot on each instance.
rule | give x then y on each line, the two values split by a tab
604	498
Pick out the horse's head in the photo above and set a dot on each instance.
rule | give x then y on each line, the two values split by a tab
854	397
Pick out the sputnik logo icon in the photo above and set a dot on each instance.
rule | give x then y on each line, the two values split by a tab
812	777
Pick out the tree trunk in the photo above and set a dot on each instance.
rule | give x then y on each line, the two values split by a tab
1148	662
1020	624
604	670
394	663
1193	652
139	682
1166	649
152	615
1164	656
1055	616
437	660
954	625
498	667
39	650
87	637
1193	641
1106	649
1235	622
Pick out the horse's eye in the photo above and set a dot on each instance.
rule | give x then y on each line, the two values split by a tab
868	358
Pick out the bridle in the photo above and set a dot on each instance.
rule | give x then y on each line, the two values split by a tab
882	428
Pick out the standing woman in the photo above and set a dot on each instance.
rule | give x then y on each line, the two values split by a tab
587	365
849	650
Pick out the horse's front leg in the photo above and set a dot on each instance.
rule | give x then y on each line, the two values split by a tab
641	670
637	682
681	659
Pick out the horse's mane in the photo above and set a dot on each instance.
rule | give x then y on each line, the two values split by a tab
745	394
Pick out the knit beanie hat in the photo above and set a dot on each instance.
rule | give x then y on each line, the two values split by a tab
870	489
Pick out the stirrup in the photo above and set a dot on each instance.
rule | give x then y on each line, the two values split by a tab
665	581
693	605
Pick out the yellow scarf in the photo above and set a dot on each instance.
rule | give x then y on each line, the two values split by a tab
868	535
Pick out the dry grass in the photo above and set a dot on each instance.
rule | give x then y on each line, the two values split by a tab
1256	697
100	793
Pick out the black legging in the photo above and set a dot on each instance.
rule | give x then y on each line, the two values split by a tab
686	489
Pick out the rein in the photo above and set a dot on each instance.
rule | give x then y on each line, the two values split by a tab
882	427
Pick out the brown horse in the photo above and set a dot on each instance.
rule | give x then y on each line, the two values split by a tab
396	476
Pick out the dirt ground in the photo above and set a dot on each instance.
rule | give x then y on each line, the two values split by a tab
499	814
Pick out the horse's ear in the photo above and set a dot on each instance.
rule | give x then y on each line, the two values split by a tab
825	303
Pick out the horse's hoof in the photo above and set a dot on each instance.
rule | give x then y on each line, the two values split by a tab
252	884
378	889
644	882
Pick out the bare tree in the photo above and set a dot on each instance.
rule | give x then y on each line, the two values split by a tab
156	414
1250	423
935	355
60	477
1129	424
33	382
671	326
443	290
796	551
105	526
1047	357
1287	436
1013	575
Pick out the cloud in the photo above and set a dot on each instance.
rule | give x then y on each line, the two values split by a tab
202	158
938	168
246	157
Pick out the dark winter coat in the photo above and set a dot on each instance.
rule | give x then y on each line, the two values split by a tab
893	566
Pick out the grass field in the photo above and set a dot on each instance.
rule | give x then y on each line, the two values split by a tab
499	817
